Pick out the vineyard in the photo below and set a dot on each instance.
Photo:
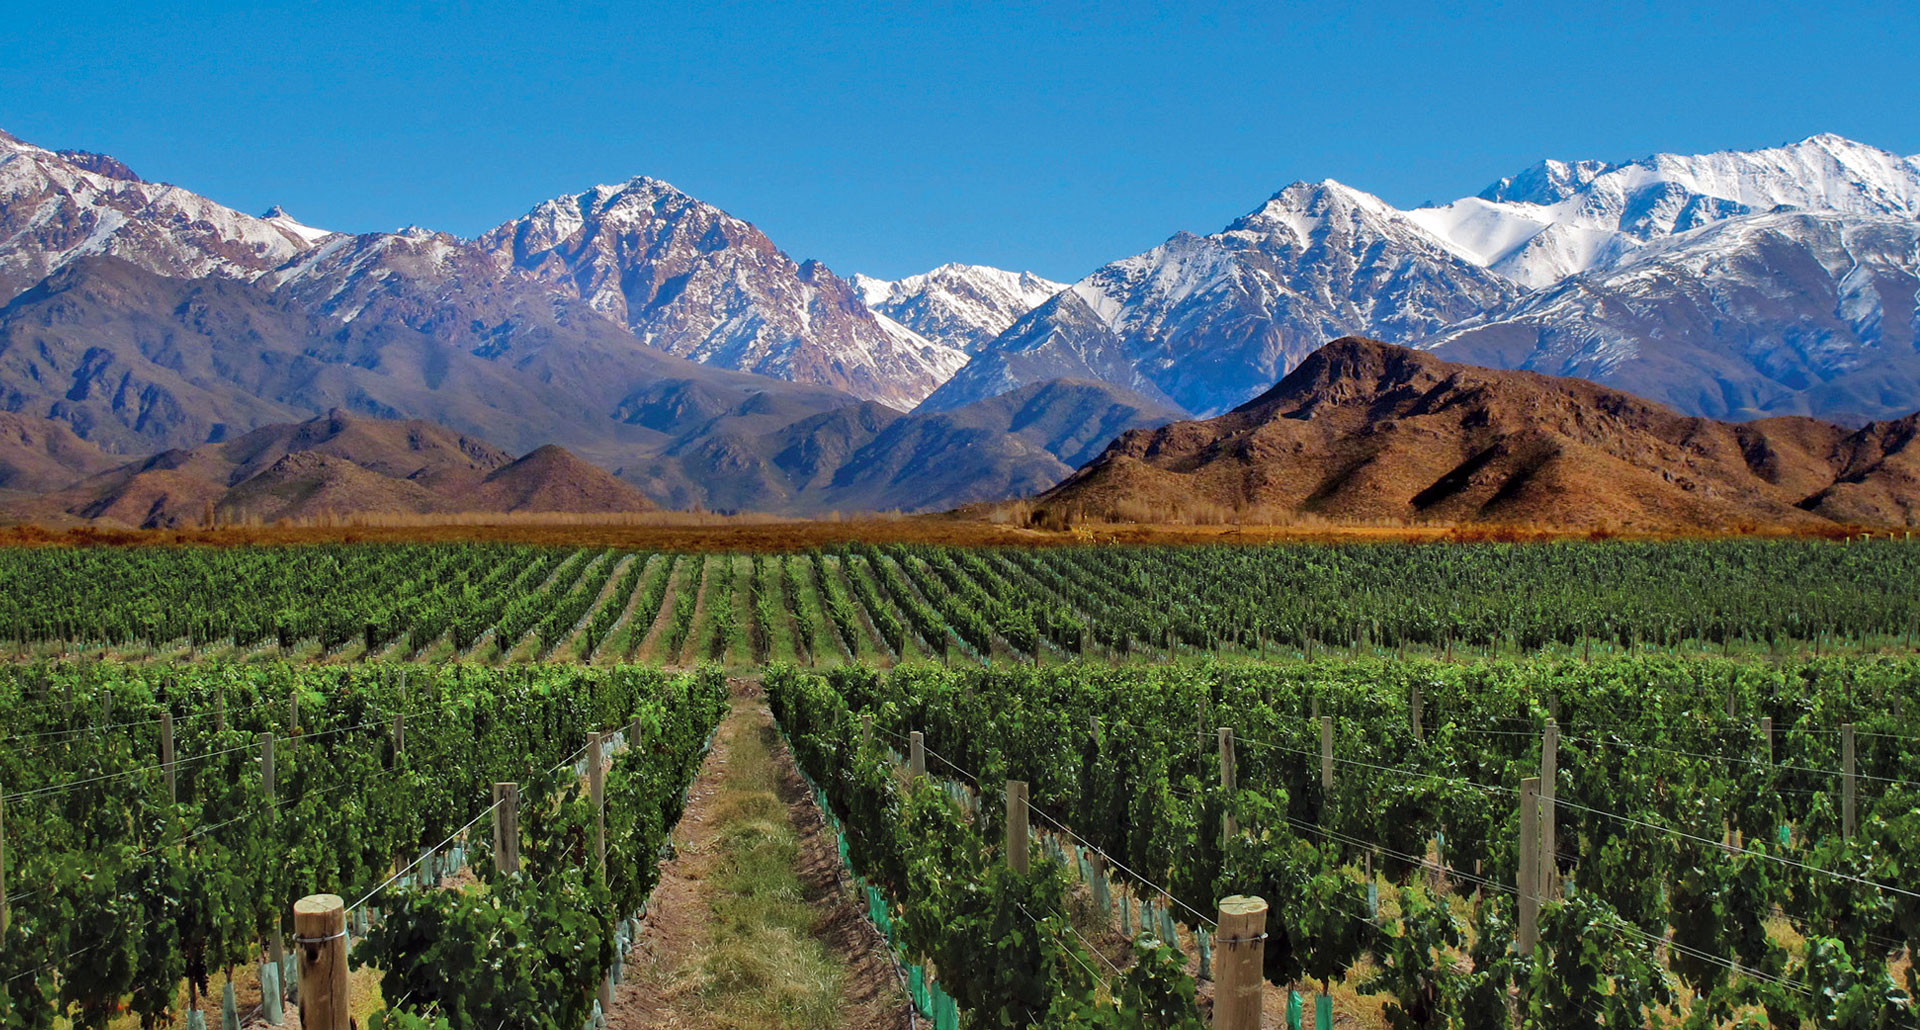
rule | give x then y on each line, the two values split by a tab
1547	785
1715	849
498	604
159	828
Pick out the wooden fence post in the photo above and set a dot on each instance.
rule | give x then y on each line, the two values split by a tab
506	827
1766	736
1240	947
166	755
3	867
320	931
220	708
1850	782
1326	752
106	708
1419	729
399	733
1229	776
866	729
1529	871
1549	776
916	754
1017	825
276	943
597	792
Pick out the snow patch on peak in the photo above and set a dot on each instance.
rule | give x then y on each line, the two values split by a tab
957	305
277	216
1559	219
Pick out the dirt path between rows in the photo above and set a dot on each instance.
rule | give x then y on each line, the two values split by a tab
665	983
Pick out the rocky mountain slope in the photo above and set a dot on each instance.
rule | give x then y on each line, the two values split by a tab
962	306
59	207
1364	430
1585	252
1558	219
868	457
694	281
335	465
1202	321
39	454
1803	313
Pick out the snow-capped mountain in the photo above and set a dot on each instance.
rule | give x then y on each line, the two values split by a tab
56	207
963	306
1205	322
694	281
1773	314
1558	219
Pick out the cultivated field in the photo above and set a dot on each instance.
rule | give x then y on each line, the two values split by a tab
1564	784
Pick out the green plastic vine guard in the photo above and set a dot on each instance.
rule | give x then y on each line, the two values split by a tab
1205	942
270	993
1322	1011
229	1011
1293	1010
196	1020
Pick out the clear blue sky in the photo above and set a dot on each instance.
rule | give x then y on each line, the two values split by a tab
890	138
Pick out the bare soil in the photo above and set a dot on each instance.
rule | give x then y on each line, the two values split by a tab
662	986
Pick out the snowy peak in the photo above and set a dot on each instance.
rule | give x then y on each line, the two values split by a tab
1209	321
1305	210
277	216
696	282
1548	182
960	306
58	207
1559	219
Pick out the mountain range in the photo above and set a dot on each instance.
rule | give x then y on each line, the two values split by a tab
674	344
1683	277
1367	431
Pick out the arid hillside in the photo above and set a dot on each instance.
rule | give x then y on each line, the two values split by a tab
1366	431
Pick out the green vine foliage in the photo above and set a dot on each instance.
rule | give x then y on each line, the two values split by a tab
522	952
999	940
118	894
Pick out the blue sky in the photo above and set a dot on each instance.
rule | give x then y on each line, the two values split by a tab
888	138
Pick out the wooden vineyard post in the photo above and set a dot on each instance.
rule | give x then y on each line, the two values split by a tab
1529	872
166	755
1240	948
633	735
866	729
1326	752
506	827
276	944
1850	781
3	868
220	708
597	791
1017	825
916	754
1549	775
106	708
1229	774
1766	736
320	932
399	733
1419	731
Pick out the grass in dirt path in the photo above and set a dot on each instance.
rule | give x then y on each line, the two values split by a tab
751	925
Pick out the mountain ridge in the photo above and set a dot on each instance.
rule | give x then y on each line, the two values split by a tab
1366	431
